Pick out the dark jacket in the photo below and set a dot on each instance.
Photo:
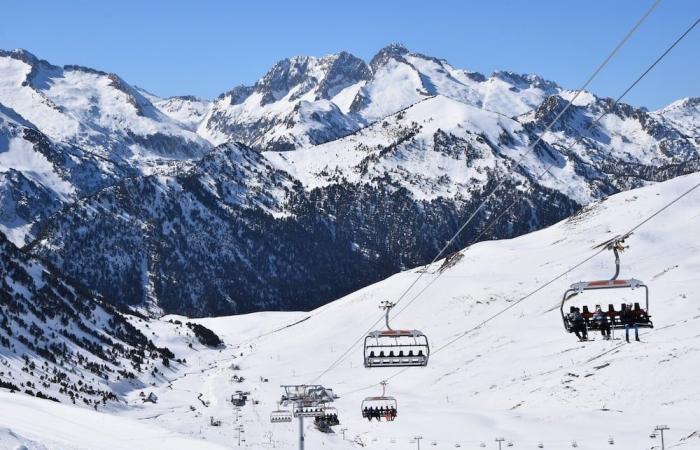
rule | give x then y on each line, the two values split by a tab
599	316
627	317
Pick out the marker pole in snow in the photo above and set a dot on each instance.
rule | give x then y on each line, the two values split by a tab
418	438
500	441
661	429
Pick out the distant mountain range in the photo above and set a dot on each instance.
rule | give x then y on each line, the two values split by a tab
326	175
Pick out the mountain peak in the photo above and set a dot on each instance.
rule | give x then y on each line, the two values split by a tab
395	48
392	51
25	56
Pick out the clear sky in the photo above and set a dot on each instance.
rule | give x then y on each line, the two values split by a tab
207	47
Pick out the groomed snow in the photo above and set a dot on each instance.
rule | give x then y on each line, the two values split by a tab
27	423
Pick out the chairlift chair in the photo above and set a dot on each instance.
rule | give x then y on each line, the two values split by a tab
380	407
280	415
395	348
330	416
641	314
312	409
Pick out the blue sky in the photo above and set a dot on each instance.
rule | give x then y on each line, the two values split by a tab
207	47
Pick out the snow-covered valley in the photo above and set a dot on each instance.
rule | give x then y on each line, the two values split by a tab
520	375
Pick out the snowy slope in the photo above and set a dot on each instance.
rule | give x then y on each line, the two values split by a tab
520	375
32	424
92	109
384	154
291	106
685	114
66	132
187	110
442	148
372	203
38	175
305	101
59	341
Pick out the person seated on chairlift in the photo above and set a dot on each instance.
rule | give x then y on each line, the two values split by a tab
579	325
642	315
601	319
629	321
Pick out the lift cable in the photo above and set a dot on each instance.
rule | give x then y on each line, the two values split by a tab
500	183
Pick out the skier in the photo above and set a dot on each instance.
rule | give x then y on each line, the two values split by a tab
601	319
628	319
579	326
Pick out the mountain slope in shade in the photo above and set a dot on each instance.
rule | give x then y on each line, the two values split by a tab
374	167
291	230
58	341
39	175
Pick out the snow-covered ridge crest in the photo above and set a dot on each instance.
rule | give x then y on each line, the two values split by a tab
358	93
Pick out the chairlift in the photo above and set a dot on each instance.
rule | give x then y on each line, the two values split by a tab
540	445
574	444
611	441
483	444
381	407
509	444
311	409
640	313
395	348
280	415
329	417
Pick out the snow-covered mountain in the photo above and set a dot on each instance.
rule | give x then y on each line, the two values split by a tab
92	109
520	375
305	101
684	114
66	132
345	173
294	229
